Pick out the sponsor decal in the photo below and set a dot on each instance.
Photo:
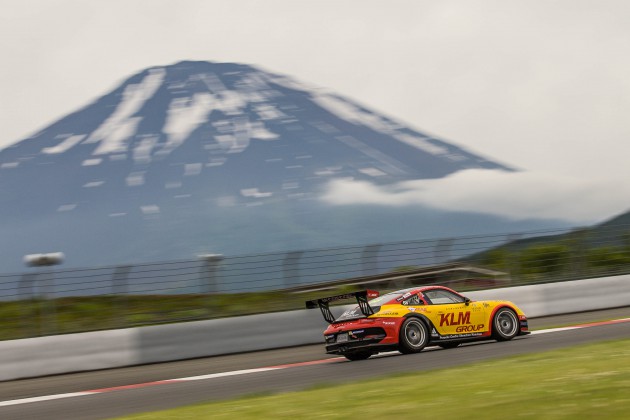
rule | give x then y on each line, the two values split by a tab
469	328
388	323
403	297
333	298
412	309
447	337
451	319
369	294
389	313
356	332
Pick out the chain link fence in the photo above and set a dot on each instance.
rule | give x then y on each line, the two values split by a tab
47	301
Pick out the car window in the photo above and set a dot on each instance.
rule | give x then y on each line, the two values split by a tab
413	300
440	297
384	299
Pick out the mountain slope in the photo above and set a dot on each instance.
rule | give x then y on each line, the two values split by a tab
218	157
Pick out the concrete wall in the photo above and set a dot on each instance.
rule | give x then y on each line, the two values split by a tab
116	348
565	297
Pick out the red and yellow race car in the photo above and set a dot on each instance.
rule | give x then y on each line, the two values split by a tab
410	319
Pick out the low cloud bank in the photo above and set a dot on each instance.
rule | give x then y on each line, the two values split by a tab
514	195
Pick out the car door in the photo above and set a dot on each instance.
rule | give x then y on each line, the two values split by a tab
452	316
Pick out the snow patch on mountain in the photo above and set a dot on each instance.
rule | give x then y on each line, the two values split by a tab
69	142
142	151
91	162
120	125
354	115
184	116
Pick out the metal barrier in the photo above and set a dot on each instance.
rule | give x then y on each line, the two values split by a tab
46	301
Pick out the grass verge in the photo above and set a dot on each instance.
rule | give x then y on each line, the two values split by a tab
591	381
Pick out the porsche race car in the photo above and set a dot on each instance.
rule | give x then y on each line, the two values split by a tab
410	319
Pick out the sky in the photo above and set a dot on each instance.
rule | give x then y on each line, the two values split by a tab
541	86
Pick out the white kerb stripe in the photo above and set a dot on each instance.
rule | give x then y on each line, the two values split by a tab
224	374
44	398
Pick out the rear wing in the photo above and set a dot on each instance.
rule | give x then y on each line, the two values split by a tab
361	297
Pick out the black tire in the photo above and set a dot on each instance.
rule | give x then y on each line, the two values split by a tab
357	355
413	336
449	345
505	325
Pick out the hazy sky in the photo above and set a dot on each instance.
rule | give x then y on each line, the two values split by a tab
542	86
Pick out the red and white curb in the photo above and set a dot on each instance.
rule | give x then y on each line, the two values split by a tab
577	327
166	381
248	371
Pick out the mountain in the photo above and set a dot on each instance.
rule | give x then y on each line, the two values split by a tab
218	157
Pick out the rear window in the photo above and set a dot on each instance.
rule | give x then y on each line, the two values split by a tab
375	303
381	300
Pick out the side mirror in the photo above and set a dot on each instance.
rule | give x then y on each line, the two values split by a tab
467	301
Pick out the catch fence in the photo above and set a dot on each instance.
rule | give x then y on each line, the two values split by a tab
44	301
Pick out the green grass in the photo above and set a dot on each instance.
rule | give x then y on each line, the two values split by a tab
585	382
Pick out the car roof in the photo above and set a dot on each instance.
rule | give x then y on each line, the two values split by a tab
420	289
415	289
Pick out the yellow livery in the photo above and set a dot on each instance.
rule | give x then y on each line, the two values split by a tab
410	319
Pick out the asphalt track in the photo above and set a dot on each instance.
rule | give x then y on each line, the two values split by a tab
129	398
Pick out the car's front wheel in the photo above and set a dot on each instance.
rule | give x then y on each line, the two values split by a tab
413	336
357	355
505	325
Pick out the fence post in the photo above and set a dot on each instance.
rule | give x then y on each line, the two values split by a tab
513	259
47	289
119	290
26	284
577	252
49	311
442	250
291	268
369	259
208	279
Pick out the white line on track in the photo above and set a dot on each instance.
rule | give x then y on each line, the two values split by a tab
250	371
44	398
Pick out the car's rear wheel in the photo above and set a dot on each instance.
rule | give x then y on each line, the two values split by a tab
357	355
450	345
413	336
505	325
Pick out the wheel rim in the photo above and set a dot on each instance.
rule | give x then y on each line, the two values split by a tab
506	323
414	333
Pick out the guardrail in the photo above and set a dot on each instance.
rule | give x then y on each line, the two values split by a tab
117	348
45	301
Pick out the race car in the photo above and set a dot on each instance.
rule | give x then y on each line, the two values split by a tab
410	319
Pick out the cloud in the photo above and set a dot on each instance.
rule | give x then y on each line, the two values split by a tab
514	195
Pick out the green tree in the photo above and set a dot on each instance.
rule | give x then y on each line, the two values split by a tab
545	259
612	258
